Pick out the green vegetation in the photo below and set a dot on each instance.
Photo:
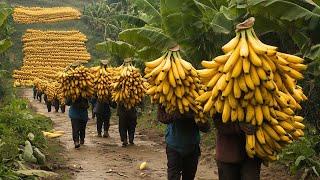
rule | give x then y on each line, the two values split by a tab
303	157
14	128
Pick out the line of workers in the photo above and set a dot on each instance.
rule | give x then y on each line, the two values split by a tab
182	137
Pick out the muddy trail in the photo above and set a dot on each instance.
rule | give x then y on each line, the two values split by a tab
104	158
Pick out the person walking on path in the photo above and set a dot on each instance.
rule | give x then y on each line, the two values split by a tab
232	160
182	139
48	103
103	114
34	92
127	124
78	114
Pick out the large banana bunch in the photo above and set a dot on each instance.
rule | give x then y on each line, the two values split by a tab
128	86
174	84
103	82
48	52
76	83
255	83
28	15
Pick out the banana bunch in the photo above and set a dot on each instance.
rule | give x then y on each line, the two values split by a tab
76	83
128	86
254	83
52	90
174	84
103	82
40	84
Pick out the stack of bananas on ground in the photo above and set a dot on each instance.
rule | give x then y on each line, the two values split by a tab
28	15
48	52
76	83
103	82
128	86
174	84
255	83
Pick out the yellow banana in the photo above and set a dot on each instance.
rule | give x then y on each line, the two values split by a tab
236	89
237	69
258	96
246	65
254	76
232	44
240	113
214	80
258	114
244	51
249	113
270	132
232	60
226	112
254	58
249	81
171	78
155	63
228	89
260	136
242	83
290	58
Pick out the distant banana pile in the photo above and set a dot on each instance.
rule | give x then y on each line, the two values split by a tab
254	83
174	84
76	83
29	15
48	52
103	82
128	86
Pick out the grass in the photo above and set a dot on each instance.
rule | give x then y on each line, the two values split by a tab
14	128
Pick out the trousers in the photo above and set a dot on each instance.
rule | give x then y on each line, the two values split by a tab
185	166
127	126
103	121
78	129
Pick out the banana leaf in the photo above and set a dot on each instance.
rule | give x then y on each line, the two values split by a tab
131	19
146	7
118	48
146	36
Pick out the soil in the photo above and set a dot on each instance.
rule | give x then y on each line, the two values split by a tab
104	158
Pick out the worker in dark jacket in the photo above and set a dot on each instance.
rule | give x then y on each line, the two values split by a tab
48	103
103	113
232	159
56	104
39	95
182	138
34	92
78	114
127	124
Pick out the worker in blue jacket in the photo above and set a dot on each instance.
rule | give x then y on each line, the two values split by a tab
182	139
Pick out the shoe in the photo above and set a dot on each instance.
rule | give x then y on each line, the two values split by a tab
76	145
82	142
99	135
106	135
131	143
124	144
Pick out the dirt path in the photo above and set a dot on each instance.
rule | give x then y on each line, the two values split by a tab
102	158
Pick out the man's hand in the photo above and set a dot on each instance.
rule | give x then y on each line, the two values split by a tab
247	128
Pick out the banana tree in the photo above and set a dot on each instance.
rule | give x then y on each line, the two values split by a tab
5	31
